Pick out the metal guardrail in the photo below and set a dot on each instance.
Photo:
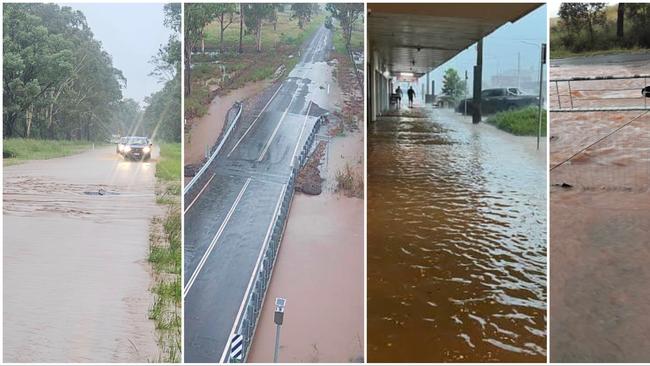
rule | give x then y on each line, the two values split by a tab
246	323
569	94
220	141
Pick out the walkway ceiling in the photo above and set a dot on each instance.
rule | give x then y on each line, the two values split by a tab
417	38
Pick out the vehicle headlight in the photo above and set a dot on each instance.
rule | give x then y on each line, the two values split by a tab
127	148
146	149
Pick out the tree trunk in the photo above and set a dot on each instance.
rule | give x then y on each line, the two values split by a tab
259	37
221	35
241	27
202	44
10	126
620	22
188	69
29	114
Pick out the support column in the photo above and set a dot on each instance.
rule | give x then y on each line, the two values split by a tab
478	83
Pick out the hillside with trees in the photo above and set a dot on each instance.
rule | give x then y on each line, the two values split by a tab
596	28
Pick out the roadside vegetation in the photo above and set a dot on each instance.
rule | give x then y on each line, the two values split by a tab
165	254
520	122
218	62
348	38
17	150
587	29
61	85
349	181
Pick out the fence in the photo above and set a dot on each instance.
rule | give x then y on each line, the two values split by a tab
599	94
246	322
612	152
231	120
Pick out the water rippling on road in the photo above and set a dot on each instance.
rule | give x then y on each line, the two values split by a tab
456	243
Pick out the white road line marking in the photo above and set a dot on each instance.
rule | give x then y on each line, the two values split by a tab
302	130
275	131
214	240
197	196
328	88
256	118
257	266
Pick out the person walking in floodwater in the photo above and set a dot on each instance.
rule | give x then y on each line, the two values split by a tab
398	94
411	94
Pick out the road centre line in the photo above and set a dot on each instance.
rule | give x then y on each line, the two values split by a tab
275	131
256	118
214	240
257	266
197	196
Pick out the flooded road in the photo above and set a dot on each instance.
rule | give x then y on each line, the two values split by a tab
204	131
76	279
600	223
456	242
228	219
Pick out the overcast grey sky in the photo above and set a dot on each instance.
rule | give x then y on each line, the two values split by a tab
131	34
511	46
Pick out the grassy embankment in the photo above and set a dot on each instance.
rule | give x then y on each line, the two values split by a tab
520	122
279	47
565	44
165	254
17	150
349	179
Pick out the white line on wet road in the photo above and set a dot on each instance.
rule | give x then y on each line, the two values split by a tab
214	240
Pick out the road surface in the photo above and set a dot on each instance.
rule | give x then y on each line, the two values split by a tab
76	279
227	223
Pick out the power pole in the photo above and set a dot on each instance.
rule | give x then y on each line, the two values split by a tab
478	76
541	84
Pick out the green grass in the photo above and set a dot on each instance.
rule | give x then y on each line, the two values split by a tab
165	255
356	40
168	167
251	66
16	150
520	122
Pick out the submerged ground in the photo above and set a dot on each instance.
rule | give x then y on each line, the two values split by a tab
600	220
456	241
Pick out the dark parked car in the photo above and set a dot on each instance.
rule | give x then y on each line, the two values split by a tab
499	100
134	148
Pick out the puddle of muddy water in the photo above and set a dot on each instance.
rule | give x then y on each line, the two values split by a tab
599	230
205	130
456	242
76	280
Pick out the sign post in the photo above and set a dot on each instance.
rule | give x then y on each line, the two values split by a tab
278	318
541	84
236	348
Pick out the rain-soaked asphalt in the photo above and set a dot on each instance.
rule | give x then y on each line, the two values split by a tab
76	279
456	242
226	225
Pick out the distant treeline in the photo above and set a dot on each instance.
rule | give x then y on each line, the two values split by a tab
586	27
58	82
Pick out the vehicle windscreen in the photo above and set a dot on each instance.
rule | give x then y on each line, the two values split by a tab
493	93
138	141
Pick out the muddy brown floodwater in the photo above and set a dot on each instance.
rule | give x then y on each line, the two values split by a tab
319	269
76	279
204	131
600	224
456	241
